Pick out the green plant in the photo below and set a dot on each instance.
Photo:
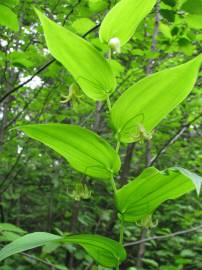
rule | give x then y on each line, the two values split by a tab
133	117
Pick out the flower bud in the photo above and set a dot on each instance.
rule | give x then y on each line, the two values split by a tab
115	45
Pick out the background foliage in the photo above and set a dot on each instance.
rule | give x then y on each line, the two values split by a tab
38	190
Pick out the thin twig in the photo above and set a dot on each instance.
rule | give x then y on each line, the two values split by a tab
163	236
174	139
40	260
28	80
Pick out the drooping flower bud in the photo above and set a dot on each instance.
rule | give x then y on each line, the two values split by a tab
144	134
73	94
147	222
115	45
80	192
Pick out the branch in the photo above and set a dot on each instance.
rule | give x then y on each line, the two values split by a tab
163	236
174	139
40	260
28	80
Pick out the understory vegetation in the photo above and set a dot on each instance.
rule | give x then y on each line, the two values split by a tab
100	134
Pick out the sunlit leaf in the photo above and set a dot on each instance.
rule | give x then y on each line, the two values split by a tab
88	67
8	18
123	19
83	149
194	21
141	108
82	25
145	193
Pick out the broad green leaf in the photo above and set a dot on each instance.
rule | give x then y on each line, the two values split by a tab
123	19
105	251
82	25
8	18
171	3
19	58
193	7
83	149
11	228
165	29
27	242
141	108
6	236
144	194
88	67
97	5
9	3
194	21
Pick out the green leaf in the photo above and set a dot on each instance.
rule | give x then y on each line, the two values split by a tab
165	30
105	251
97	5
123	19
171	3
193	7
11	228
194	21
144	194
27	242
9	3
6	236
83	149
151	263
8	18
88	67
168	14
82	25
19	58
141	108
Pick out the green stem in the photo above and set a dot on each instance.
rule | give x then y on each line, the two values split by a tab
109	103
121	229
113	184
110	54
117	146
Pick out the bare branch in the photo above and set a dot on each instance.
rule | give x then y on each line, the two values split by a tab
40	260
163	236
174	139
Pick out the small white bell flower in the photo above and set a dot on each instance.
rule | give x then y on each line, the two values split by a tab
115	45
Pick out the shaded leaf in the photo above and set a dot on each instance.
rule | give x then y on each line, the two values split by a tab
168	14
105	251
10	3
83	149
144	194
11	228
193	7
20	59
27	242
